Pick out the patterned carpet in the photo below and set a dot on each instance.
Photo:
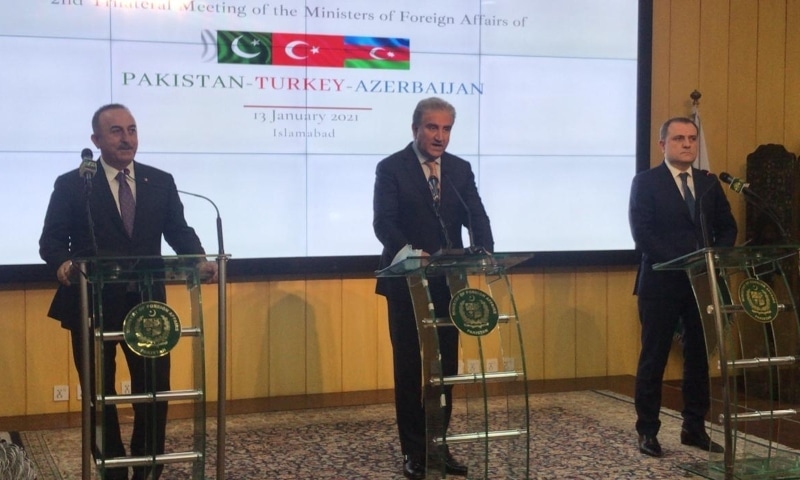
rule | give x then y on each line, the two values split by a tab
574	435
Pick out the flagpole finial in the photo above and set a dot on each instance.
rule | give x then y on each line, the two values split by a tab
695	96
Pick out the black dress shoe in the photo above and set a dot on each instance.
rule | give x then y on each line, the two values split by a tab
453	466
701	440
648	444
414	467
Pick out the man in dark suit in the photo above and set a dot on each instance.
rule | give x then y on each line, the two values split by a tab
68	234
665	222
415	204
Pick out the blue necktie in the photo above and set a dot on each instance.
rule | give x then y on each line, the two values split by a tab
687	193
127	205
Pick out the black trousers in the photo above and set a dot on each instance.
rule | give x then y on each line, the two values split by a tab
147	375
660	317
409	405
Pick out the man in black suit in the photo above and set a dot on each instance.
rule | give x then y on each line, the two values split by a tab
68	234
415	204
664	227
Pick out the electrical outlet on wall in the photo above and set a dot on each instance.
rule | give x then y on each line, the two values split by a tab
125	387
473	366
491	365
60	393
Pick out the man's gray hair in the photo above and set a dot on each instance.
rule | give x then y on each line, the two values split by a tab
432	103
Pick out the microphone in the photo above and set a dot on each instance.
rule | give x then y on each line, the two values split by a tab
739	186
220	243
736	184
472	248
88	168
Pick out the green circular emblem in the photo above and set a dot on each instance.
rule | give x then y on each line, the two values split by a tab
473	312
151	329
758	300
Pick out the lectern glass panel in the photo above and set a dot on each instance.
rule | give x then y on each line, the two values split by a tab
489	425
152	329
747	298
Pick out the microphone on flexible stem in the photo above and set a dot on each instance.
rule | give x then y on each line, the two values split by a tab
739	186
220	243
219	219
472	247
447	243
87	170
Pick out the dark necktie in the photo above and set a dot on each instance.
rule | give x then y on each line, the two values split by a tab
687	193
433	181
127	205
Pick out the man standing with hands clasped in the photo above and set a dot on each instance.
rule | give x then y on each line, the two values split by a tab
416	204
664	214
131	206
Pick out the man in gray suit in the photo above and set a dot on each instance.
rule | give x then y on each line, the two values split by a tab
68	233
667	204
416	202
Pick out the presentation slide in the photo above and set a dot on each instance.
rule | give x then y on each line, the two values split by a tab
280	111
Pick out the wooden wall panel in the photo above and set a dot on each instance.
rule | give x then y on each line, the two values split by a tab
770	64
13	358
287	337
324	329
624	329
713	81
528	289
660	108
684	56
559	324
48	357
792	79
250	340
591	324
360	340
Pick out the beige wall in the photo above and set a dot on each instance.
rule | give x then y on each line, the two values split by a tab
301	336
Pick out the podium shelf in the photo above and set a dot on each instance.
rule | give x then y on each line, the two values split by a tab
166	396
477	377
477	436
761	415
163	459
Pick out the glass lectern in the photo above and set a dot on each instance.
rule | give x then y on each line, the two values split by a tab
489	425
151	329
748	306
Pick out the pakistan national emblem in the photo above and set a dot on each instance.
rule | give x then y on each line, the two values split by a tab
473	312
151	329
758	300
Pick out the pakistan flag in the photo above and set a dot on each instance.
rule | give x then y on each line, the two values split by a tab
250	48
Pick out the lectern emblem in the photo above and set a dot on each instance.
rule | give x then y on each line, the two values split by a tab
473	312
758	300
151	329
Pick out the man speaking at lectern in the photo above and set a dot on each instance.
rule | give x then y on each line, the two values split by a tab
132	206
423	196
674	210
